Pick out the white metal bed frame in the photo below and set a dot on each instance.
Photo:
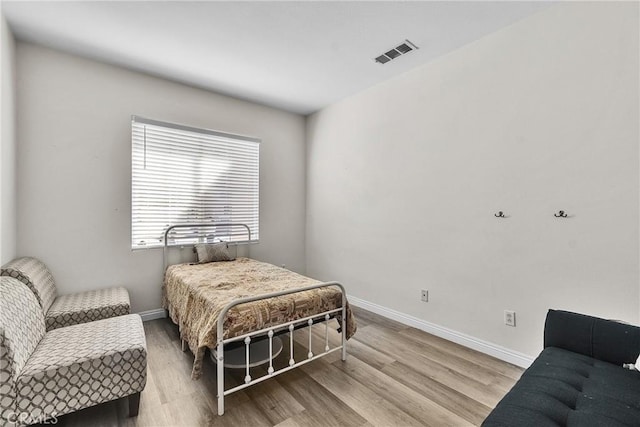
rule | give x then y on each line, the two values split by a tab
270	331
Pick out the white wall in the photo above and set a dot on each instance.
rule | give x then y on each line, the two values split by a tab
7	145
74	179
404	179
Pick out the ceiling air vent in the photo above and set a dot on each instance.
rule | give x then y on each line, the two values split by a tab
382	59
396	52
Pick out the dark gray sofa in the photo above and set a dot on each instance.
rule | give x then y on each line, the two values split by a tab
578	379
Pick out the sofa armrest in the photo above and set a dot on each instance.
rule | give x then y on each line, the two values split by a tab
605	340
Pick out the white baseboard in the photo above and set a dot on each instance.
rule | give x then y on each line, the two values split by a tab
497	351
156	313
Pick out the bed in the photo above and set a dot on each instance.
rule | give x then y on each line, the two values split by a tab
231	303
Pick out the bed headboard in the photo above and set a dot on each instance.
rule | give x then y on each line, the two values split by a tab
195	233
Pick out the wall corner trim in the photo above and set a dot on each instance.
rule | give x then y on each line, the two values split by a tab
156	313
497	351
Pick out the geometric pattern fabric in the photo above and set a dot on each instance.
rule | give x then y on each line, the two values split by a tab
89	306
70	309
35	274
21	330
48	374
7	389
83	365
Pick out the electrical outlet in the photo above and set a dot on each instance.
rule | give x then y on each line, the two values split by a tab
510	318
424	295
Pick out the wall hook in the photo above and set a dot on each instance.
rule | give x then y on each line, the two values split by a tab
560	214
500	214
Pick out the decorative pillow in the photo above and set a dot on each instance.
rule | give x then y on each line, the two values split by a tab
213	252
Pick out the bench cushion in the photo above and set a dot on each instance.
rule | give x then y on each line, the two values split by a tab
83	365
33	273
89	306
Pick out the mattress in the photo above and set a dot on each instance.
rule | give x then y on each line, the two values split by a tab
195	294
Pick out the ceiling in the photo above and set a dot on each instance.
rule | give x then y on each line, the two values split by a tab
297	56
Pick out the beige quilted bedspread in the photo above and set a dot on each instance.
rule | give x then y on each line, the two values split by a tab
194	295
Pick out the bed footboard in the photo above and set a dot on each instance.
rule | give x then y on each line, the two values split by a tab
271	331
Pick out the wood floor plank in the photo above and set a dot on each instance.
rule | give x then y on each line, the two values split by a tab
312	418
150	416
366	402
452	360
440	372
246	414
367	317
458	403
428	412
190	410
150	406
319	403
291	422
104	415
274	401
394	375
174	380
496	365
362	351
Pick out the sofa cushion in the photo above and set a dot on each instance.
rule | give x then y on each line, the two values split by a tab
570	389
33	273
88	306
607	340
83	365
21	330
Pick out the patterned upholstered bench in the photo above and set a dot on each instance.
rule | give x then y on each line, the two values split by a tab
47	374
66	310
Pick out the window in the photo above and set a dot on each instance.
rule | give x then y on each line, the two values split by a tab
185	175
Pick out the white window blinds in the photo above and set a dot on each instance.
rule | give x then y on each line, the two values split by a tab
183	175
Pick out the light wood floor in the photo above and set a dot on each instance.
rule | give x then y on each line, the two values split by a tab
394	375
